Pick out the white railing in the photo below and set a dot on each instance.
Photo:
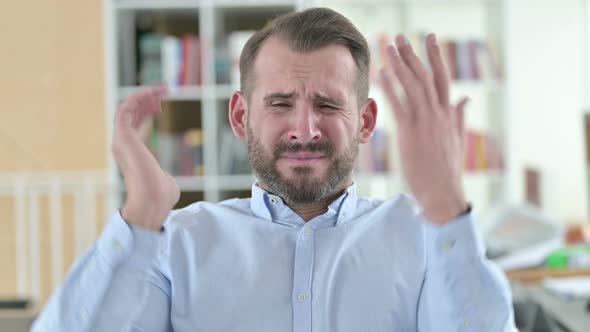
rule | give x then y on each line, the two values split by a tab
27	191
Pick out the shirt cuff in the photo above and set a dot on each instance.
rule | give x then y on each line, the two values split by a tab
120	241
453	243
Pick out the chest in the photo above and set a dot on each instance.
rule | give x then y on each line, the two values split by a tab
296	280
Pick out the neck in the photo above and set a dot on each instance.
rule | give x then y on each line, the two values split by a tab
308	211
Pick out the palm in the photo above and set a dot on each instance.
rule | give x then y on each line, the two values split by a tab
430	129
149	188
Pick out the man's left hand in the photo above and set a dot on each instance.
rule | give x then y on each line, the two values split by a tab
430	129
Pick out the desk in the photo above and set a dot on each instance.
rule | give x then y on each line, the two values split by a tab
536	275
16	320
570	313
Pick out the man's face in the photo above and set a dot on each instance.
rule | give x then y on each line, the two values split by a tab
303	121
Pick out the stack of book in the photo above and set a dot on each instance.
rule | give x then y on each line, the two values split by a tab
471	59
481	152
374	157
179	153
233	154
466	60
173	60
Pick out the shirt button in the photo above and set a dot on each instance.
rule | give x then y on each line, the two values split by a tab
273	200
84	314
447	245
117	245
307	231
302	297
466	322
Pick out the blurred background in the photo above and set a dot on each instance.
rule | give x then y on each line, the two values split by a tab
66	65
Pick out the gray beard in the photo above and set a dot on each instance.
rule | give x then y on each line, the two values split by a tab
302	189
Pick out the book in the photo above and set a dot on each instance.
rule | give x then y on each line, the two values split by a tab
171	60
473	47
481	155
495	59
380	151
187	63
233	153
449	51
470	147
175	61
150	59
190	71
481	152
191	157
463	61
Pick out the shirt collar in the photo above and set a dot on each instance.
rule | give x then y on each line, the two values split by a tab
271	207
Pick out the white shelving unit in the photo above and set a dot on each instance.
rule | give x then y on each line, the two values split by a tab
214	19
450	19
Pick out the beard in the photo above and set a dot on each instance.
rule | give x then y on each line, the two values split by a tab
303	188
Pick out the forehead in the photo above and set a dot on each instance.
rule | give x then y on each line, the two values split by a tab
330	70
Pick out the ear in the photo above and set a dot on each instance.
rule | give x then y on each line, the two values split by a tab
368	120
238	115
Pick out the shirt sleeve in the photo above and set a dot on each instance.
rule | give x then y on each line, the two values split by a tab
462	290
115	286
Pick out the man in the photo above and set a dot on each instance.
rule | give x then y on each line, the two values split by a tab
304	253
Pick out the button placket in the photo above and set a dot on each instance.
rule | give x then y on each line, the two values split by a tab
302	277
84	315
302	297
447	245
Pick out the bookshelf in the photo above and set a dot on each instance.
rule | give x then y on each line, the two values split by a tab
198	102
476	26
190	46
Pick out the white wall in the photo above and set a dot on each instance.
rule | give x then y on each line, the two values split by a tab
546	51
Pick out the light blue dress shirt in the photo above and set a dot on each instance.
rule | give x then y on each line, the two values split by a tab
255	265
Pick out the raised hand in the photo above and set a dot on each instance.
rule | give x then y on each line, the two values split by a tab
430	129
151	192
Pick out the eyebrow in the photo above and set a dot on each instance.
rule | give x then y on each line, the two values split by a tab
328	100
317	98
279	95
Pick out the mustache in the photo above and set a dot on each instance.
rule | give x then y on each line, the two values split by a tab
283	147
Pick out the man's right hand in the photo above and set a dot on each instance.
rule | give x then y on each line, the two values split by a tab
151	192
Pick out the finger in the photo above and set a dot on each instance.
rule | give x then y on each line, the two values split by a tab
460	114
388	87
136	107
151	99
415	64
410	84
439	71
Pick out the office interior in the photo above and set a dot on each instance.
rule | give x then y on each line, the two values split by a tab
66	66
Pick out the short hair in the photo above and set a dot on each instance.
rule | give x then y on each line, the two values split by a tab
306	31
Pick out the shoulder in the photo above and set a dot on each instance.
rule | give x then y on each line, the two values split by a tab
402	204
198	212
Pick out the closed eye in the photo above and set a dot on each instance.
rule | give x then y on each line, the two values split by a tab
328	107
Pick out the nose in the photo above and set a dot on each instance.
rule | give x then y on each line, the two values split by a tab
305	126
